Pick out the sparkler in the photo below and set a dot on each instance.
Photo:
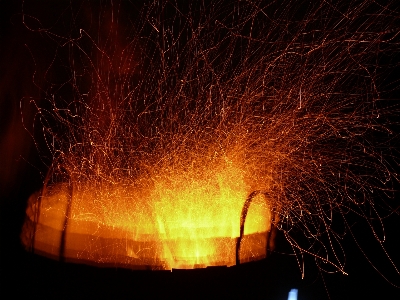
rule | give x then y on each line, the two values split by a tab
157	138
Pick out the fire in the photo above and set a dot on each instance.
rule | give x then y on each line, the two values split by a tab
190	219
161	133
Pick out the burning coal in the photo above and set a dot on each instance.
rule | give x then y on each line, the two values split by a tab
162	129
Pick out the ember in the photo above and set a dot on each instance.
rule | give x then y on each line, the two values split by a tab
181	223
159	137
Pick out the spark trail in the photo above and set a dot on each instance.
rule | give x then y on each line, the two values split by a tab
169	120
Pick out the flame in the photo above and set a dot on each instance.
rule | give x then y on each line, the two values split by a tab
187	220
145	188
162	133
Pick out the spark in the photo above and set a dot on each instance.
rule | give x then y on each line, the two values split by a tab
164	131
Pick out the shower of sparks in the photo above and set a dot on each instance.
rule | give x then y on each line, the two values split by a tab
163	129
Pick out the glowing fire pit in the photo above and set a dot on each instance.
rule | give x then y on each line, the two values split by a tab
162	125
176	224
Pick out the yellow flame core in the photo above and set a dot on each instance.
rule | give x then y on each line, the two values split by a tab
187	220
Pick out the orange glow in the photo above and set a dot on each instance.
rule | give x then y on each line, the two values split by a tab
161	125
142	190
187	220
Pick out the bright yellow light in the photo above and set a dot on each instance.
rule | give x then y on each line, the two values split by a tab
186	219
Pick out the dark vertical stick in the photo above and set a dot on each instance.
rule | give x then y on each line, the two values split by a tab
245	209
64	231
38	204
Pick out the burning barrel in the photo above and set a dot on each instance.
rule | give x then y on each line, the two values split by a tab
174	225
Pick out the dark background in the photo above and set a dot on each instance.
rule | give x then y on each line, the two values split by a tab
21	173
